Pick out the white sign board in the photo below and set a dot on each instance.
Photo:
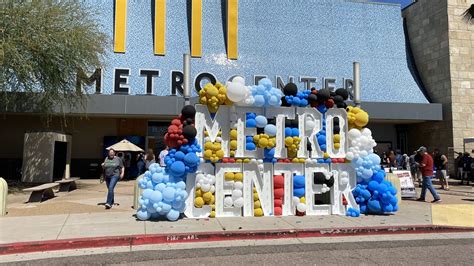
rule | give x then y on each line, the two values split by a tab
406	184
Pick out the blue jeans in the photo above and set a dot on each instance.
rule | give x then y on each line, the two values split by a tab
428	185
111	182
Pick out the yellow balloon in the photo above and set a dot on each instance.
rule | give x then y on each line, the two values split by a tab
262	143
239	177
198	192
326	155
361	119
256	138
213	214
208	145
207	154
199	202
337	138
233	134
207	197
232	153
211	90
303	200
288	141
258	212
337	146
213	200
203	100
302	160
246	160
229	176
257	204
220	154
233	144
255	196
295	160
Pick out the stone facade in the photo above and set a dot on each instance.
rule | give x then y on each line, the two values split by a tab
443	48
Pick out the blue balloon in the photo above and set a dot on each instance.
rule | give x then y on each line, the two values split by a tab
142	214
299	192
298	181
269	153
172	215
191	159
251	123
156	196
270	130
259	101
250	146
374	206
322	139
179	155
147	193
387	208
261	121
295	132
379	176
177	168
181	185
288	132
168	194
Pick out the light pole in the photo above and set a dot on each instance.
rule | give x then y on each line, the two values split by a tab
356	73
187	77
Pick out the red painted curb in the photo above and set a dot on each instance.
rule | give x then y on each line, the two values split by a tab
135	240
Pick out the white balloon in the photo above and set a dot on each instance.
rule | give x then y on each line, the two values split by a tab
239	79
349	156
238	185
309	125
205	187
301	207
228	202
236	92
236	193
213	189
366	132
296	200
239	203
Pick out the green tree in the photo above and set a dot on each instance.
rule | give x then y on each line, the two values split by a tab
44	43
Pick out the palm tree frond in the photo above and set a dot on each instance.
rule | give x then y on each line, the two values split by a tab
468	15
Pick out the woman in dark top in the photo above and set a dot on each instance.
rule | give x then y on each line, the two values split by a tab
113	172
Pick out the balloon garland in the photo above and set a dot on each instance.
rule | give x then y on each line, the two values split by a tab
164	189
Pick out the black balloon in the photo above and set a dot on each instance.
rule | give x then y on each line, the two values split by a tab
188	111
332	93
324	94
294	123
290	89
338	99
319	178
336	129
312	98
189	132
284	102
188	121
329	182
343	93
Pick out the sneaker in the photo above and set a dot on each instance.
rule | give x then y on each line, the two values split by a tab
436	201
420	199
107	206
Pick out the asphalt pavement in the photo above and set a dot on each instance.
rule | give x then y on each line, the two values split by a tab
399	252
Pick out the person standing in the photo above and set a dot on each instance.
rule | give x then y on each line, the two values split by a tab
426	166
149	158
440	162
162	156
113	172
140	164
418	159
466	168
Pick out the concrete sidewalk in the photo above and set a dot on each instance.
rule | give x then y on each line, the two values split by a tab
92	226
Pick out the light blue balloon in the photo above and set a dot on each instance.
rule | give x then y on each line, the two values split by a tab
142	214
156	196
172	215
181	185
168	194
270	130
261	121
147	193
166	207
160	187
259	101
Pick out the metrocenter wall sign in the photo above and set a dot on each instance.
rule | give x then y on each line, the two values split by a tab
133	77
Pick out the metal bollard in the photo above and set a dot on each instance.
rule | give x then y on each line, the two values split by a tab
137	191
3	196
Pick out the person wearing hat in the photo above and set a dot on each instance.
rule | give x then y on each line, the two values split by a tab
426	166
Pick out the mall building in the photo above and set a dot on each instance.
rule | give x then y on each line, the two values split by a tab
415	79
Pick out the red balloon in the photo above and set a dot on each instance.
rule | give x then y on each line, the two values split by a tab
330	103
278	181
176	122
277	202
277	211
278	193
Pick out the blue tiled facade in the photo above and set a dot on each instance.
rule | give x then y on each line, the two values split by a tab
318	38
